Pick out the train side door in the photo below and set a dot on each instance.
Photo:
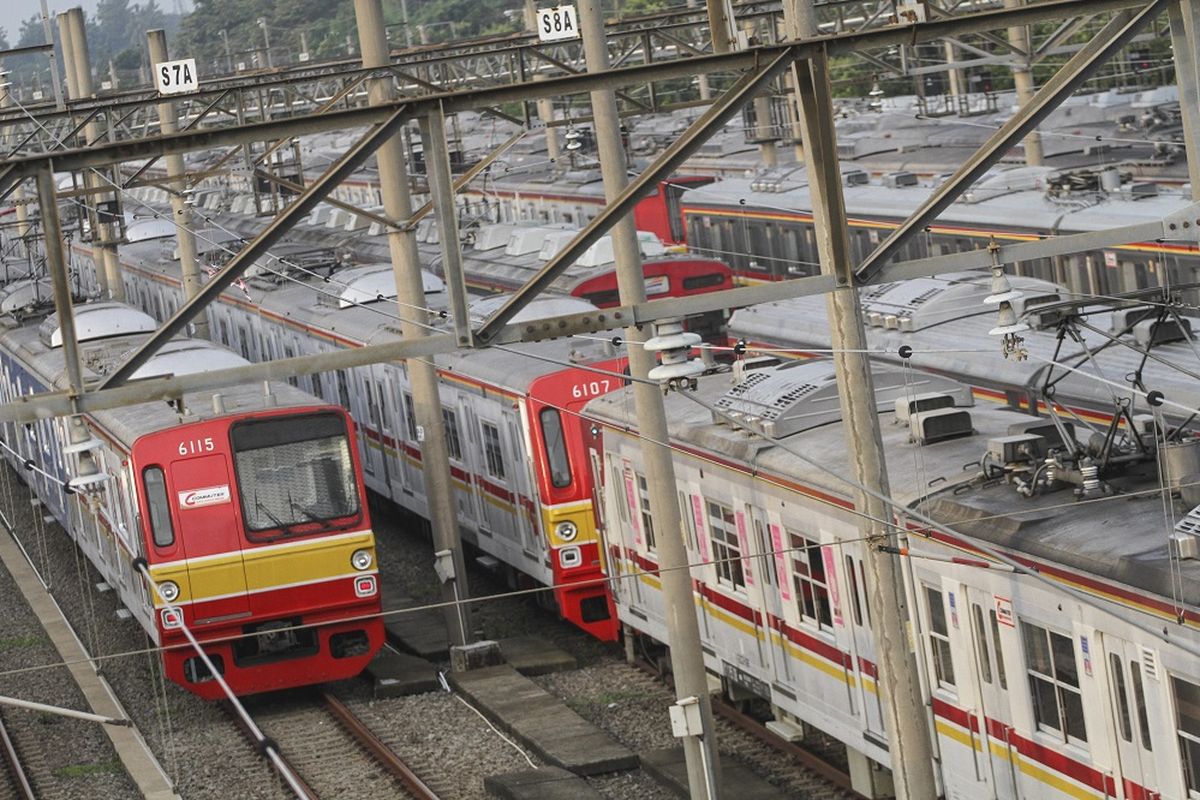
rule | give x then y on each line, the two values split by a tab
374	463
389	422
1124	662
766	576
990	676
209	525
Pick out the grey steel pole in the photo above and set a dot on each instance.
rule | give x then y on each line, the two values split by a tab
897	680
720	23
441	187
78	61
799	23
545	105
422	375
19	192
764	131
683	630
1185	30
57	265
181	212
1018	37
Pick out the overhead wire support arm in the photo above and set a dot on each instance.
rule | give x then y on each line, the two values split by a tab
315	193
688	142
1115	35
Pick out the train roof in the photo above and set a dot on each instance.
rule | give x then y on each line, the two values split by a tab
956	340
1006	198
302	302
100	355
1121	537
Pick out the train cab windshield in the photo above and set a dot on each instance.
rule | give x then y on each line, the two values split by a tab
295	474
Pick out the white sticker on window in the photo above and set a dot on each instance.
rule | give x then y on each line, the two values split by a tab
196	498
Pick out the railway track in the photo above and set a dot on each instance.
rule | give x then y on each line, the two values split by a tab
15	783
332	752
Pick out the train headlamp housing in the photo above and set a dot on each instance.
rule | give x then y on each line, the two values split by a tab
361	560
169	591
567	531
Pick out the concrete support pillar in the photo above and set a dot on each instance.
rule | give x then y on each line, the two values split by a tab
422	375
56	264
545	106
898	682
1018	37
687	659
181	212
77	61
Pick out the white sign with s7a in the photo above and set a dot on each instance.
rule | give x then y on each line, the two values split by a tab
176	77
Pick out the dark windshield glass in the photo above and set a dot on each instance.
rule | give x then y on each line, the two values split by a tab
293	471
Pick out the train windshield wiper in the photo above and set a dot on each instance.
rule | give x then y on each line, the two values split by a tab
260	506
309	514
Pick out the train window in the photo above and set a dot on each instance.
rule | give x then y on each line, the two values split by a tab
318	387
556	447
244	343
1187	717
726	552
939	638
1054	682
695	282
492	452
767	560
1139	701
294	470
343	389
453	443
855	597
160	508
223	328
808	576
981	648
862	579
647	518
410	417
1120	696
997	647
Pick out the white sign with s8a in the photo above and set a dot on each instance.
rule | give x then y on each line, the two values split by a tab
176	77
555	24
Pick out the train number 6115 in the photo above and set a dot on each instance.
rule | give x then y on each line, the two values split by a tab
192	447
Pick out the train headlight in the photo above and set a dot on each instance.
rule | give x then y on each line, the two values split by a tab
169	591
567	531
361	560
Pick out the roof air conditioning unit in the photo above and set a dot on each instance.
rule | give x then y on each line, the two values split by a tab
927	427
896	180
1149	332
927	401
1043	427
855	177
1123	319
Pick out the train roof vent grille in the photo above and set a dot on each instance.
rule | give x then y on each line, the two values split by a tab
1190	524
803	395
372	283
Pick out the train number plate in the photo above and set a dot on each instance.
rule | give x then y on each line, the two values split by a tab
746	680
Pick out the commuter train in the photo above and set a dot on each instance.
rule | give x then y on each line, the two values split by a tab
521	486
1031	692
246	506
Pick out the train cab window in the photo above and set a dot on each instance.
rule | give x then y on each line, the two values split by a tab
556	447
1000	674
1139	702
1054	682
293	471
694	282
981	646
343	390
1187	727
492	451
726	552
808	578
160	507
939	638
453	442
855	595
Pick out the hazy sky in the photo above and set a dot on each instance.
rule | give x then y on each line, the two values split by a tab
16	11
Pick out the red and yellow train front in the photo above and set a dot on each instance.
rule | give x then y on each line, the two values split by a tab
565	485
256	527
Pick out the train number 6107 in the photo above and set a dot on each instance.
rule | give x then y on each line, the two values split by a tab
590	388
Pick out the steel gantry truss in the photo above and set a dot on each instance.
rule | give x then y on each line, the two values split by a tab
756	66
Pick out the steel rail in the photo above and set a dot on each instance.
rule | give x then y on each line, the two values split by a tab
12	758
269	749
375	746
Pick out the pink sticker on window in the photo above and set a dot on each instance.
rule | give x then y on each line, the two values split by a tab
635	507
785	588
744	546
831	583
701	528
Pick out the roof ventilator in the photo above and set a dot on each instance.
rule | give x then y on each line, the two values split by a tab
673	344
